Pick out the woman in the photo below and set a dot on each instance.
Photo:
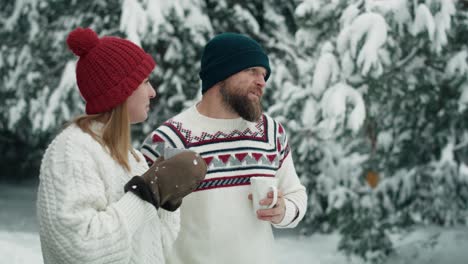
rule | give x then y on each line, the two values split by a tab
91	206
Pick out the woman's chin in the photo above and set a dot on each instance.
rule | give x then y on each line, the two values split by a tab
139	119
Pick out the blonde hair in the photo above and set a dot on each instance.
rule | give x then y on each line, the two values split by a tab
116	133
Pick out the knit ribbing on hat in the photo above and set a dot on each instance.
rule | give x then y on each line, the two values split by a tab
108	72
228	54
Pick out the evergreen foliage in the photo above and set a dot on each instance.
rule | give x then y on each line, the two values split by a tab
373	95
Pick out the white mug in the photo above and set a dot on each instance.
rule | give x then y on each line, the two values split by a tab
171	152
260	186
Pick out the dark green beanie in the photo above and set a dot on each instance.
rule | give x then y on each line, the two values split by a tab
227	54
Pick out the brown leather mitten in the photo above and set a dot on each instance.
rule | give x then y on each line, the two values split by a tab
172	179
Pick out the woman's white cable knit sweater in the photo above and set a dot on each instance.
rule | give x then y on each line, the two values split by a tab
84	214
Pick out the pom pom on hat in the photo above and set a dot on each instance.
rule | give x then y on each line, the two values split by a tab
82	40
109	68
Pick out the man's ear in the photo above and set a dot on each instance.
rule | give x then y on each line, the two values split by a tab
219	85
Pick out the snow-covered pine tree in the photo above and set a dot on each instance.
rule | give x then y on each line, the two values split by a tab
37	74
174	32
408	60
422	146
175	35
327	129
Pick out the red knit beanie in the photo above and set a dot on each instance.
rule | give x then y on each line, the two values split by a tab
109	68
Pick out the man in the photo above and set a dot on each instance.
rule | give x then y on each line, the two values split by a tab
237	141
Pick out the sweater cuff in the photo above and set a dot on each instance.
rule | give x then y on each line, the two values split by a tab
138	186
134	210
290	214
171	218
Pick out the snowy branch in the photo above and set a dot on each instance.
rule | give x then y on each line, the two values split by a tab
408	58
371	30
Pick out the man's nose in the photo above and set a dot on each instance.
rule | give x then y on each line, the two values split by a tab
260	81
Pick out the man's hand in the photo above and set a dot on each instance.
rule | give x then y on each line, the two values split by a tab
274	215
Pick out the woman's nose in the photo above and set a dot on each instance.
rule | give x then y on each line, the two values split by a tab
152	92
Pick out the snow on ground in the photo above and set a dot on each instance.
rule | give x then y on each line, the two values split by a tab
432	245
317	249
19	241
17	208
19	248
24	247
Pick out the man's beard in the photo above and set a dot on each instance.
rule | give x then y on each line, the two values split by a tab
249	110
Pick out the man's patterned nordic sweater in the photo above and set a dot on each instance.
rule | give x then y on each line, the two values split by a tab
232	155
